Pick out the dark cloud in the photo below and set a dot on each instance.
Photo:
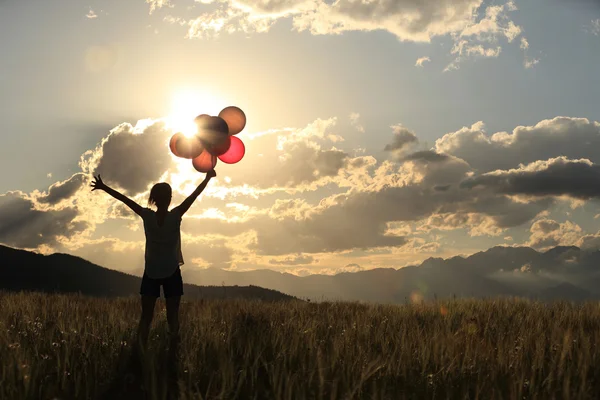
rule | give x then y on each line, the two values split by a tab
555	177
26	227
402	140
63	190
359	218
427	156
131	158
573	138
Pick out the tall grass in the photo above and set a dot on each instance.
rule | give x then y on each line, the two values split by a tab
74	347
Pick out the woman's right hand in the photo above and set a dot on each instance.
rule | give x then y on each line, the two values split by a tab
211	174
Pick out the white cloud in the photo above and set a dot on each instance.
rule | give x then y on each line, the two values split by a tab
156	4
595	27
421	61
91	14
475	27
354	120
547	233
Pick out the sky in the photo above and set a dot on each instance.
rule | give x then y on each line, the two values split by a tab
378	133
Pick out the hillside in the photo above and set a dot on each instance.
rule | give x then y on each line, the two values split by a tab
63	273
562	273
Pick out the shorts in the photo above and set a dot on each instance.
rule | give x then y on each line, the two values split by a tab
172	285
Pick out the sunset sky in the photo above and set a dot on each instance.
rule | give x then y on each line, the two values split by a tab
379	134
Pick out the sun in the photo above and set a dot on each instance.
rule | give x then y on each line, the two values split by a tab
186	104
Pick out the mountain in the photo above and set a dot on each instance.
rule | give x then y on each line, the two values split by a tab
562	273
24	270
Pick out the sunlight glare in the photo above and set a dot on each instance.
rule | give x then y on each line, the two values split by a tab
189	103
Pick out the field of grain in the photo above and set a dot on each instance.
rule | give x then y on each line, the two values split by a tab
75	347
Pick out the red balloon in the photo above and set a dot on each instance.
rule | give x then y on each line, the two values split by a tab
235	119
204	162
235	153
173	143
188	147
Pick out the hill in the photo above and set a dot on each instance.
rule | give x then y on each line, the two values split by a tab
63	273
563	273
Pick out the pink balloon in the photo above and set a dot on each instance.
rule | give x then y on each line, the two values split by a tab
204	162
235	153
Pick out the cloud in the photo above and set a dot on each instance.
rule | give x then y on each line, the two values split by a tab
131	157
555	177
91	14
527	62
573	138
595	24
354	120
157	4
64	190
477	224
547	233
360	218
298	259
26	226
403	140
474	26
316	200
480	38
421	61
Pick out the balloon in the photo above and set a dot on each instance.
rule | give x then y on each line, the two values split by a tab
204	162
201	119
173	143
188	147
235	119
235	153
220	148
214	133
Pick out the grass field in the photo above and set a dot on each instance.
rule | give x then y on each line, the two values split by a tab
74	347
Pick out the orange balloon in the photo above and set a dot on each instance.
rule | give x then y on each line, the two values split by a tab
173	143
235	153
235	118
204	162
188	147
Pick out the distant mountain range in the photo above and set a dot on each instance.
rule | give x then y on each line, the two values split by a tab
562	273
24	270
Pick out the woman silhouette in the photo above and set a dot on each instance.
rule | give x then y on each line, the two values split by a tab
163	256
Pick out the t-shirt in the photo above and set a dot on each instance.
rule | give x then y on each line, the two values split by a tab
163	243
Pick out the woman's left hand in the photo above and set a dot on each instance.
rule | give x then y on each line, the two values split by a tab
97	184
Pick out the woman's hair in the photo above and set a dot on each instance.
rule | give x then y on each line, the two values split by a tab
160	195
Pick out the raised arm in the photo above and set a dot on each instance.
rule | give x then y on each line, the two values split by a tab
187	203
97	184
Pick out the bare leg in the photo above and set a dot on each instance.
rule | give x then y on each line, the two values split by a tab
173	316
173	355
148	303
